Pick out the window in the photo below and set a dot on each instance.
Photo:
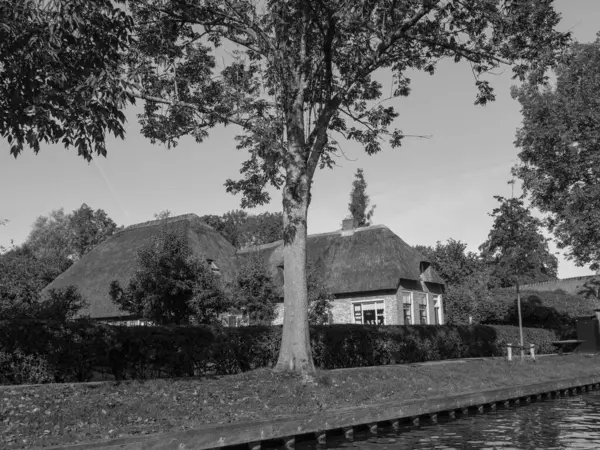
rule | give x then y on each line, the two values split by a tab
421	300
407	308
436	310
213	267
369	313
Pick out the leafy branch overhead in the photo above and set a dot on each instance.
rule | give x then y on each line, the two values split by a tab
302	71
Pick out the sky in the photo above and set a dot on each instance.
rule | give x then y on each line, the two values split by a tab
430	189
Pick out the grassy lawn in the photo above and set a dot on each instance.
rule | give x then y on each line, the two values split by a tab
61	414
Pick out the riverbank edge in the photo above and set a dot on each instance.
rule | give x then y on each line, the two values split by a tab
222	435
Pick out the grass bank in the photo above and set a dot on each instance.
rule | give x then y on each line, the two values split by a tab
47	415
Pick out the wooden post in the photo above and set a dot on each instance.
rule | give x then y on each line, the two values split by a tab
480	409
520	321
396	424
493	406
465	411
290	443
254	445
373	428
433	417
509	350
532	351
452	414
415	421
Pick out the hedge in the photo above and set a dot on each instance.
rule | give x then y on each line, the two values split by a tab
42	351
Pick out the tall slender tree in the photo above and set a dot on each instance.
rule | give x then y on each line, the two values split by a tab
360	201
516	248
298	78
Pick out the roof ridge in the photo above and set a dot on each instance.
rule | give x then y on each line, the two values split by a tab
150	223
327	233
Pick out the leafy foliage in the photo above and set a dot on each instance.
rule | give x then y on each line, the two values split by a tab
515	247
254	291
89	228
466	277
171	285
559	152
319	297
245	230
61	79
452	262
359	200
23	276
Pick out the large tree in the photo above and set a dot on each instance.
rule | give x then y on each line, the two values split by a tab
296	76
560	152
360	200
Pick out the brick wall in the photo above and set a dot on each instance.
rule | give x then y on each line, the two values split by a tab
343	312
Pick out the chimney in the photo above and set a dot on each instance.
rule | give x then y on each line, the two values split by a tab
349	224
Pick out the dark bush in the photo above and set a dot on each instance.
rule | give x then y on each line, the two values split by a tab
55	351
554	310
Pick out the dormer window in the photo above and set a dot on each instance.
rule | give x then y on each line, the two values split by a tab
213	267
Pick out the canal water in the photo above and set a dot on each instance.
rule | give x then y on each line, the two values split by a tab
571	422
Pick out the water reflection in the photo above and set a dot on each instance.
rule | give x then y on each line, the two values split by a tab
560	423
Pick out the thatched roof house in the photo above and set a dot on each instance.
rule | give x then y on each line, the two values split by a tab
375	276
115	259
369	259
366	266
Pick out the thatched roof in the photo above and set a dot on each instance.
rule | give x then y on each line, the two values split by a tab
115	259
370	259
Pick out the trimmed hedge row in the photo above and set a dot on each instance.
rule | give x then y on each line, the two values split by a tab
73	351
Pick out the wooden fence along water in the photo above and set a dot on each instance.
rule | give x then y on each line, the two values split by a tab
344	420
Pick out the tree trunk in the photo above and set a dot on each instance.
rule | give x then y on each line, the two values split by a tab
295	353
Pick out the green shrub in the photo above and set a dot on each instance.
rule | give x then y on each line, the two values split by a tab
61	352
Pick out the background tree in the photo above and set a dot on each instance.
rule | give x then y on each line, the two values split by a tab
452	261
88	228
360	201
320	298
245	230
170	285
60	238
301	78
23	276
466	276
517	249
254	291
560	154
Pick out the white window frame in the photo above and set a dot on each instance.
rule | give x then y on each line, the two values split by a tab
418	304
412	307
440	308
361	302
